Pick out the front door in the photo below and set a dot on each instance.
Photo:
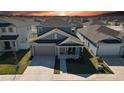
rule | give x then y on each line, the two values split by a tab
71	50
7	45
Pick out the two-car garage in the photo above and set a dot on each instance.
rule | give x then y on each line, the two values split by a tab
109	50
43	50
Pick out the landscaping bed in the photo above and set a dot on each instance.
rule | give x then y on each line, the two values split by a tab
11	65
57	66
99	62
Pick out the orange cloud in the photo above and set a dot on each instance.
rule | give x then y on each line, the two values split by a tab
58	13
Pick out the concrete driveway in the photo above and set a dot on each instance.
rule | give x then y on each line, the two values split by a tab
114	60
116	63
41	68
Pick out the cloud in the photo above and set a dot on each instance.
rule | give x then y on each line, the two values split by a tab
54	13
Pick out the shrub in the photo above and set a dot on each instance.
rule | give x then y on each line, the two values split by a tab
23	63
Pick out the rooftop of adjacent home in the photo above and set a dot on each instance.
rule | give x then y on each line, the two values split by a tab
18	21
97	33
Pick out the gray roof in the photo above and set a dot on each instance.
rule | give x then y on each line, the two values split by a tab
93	22
55	22
19	21
97	33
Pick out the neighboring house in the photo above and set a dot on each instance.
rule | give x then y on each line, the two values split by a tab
15	33
102	41
56	38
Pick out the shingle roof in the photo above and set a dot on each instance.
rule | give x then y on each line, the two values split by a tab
19	21
92	22
96	33
8	37
55	22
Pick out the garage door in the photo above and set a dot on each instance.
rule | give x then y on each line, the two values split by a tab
44	50
109	50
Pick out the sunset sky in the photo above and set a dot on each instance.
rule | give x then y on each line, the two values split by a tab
54	13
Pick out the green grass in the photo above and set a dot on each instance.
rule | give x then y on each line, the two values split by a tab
8	65
86	64
57	66
79	67
23	63
9	57
7	69
97	61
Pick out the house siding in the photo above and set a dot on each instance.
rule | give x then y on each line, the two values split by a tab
23	37
109	49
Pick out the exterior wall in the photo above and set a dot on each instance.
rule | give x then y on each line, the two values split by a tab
93	49
109	49
23	38
13	48
8	32
1	48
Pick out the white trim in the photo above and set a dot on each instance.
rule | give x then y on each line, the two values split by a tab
42	44
72	40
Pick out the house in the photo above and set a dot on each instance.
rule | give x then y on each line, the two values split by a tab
15	33
101	40
56	37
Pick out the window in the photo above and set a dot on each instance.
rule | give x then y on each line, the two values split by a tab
10	30
3	29
62	51
71	50
55	35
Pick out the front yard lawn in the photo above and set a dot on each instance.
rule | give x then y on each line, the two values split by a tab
76	67
87	64
8	64
9	57
7	69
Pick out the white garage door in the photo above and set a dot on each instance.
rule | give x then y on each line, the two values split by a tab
44	50
108	50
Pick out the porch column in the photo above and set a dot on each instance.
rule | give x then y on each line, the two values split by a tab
16	47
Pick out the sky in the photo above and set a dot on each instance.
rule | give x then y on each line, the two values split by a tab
54	13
